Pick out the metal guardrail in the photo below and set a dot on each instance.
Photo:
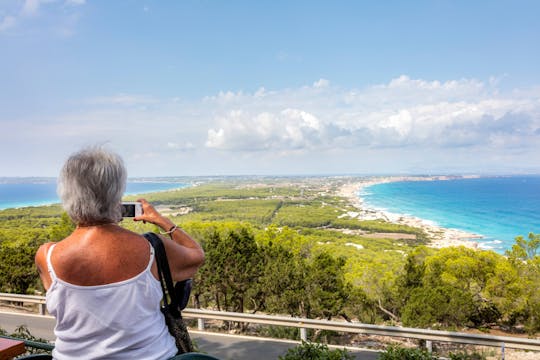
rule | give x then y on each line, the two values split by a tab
360	328
342	326
34	299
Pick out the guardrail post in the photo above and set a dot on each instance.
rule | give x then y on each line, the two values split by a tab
200	324
502	351
429	346
303	334
42	309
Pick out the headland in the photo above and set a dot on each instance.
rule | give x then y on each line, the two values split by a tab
440	236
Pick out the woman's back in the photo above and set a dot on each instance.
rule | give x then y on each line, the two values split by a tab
106	304
97	255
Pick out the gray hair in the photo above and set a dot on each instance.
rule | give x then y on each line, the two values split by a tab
91	185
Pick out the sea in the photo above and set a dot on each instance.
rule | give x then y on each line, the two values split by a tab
497	208
16	193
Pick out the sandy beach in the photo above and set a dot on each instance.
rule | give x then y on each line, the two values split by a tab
440	237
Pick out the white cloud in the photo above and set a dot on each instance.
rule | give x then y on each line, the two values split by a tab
405	82
260	93
123	100
187	146
405	124
404	112
28	13
290	129
7	22
30	7
321	83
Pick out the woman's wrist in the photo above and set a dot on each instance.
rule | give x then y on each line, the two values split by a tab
164	223
170	231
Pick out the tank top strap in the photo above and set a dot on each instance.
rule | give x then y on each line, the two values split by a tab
151	261
49	264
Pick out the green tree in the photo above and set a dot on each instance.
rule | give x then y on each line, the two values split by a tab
63	229
524	249
232	265
455	286
413	274
378	278
360	307
526	265
287	238
17	270
281	285
506	289
442	305
325	288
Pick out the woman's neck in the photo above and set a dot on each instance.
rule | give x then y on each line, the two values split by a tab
95	224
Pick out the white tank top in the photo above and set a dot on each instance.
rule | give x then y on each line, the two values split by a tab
121	320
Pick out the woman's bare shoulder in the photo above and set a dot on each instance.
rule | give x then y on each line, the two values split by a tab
41	253
41	264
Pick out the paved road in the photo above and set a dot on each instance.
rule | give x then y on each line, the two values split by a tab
223	346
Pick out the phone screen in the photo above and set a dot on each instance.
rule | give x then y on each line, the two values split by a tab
128	210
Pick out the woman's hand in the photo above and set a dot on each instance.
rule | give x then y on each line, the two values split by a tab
151	215
185	255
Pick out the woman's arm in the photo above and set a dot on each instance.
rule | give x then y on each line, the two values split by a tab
185	255
41	264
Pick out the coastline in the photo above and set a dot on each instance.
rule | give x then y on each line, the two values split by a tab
56	201
440	236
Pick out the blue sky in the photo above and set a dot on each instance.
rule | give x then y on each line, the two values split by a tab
272	87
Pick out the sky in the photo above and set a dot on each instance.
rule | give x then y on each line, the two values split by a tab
194	87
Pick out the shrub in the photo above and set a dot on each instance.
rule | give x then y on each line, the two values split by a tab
466	356
23	333
280	332
316	352
400	353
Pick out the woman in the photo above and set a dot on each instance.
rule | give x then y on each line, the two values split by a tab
101	281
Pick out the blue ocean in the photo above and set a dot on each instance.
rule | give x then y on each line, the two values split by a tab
15	194
498	208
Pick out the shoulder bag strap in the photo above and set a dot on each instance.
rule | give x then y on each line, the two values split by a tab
163	270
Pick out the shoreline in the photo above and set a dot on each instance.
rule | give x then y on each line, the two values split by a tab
440	236
57	201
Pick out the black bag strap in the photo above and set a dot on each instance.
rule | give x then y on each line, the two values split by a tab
164	272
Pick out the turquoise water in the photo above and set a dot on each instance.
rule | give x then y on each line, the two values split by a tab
32	193
498	208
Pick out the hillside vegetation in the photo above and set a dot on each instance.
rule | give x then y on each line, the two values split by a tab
287	246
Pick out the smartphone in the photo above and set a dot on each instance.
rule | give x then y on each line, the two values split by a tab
131	209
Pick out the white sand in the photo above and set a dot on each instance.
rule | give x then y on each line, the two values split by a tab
440	237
